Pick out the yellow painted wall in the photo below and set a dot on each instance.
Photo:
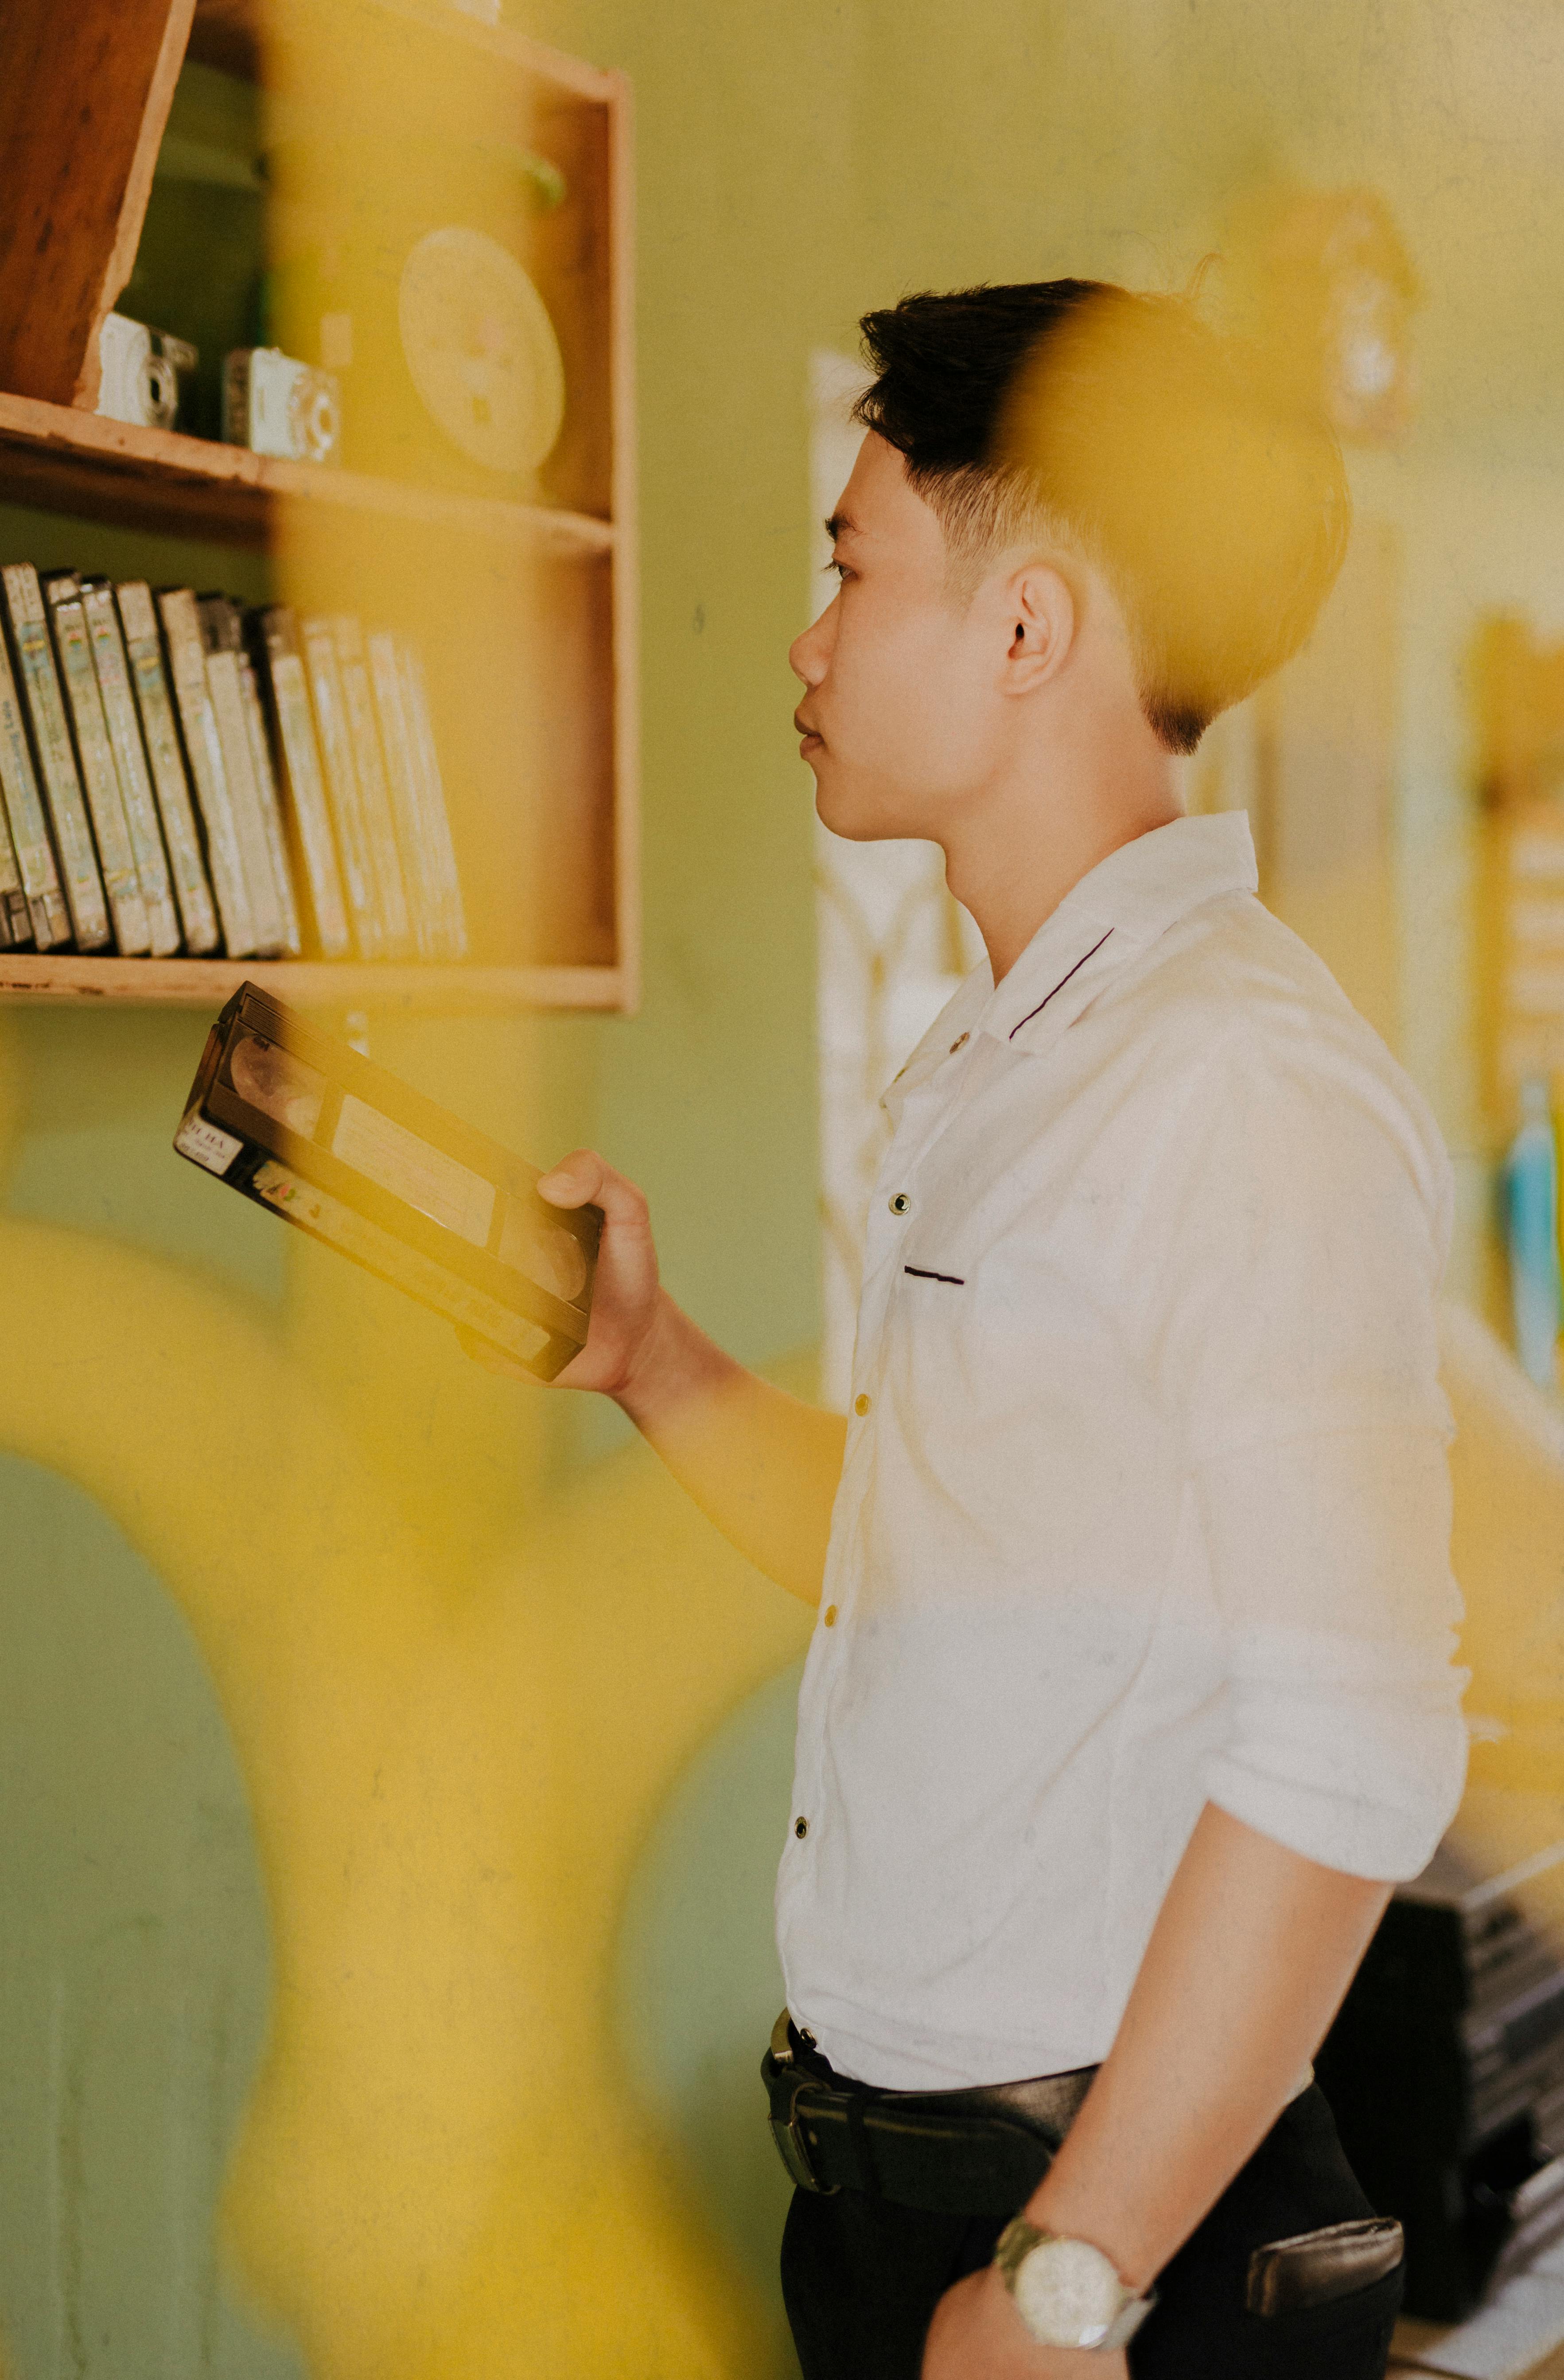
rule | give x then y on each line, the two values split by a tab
374	1720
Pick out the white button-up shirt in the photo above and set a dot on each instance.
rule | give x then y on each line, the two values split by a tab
1144	1502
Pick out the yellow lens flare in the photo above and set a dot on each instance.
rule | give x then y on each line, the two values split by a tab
452	1766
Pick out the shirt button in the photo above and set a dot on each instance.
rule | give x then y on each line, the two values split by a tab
861	1405
801	1827
830	1615
901	1204
959	1043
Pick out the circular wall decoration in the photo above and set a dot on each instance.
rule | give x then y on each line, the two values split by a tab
481	349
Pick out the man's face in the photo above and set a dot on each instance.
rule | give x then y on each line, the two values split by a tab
902	710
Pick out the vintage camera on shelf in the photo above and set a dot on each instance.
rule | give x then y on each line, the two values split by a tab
275	405
139	372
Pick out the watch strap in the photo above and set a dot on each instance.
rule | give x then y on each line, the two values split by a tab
1127	2321
1017	2239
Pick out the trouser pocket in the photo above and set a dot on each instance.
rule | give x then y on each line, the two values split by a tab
1346	2338
1258	2245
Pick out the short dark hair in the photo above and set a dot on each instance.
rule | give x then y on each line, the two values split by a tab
1211	496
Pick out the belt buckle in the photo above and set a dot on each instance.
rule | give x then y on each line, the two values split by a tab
794	2149
794	2152
786	2131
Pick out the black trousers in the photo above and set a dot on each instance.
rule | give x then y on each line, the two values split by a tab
861	2277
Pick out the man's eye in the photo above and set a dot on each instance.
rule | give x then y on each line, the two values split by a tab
839	569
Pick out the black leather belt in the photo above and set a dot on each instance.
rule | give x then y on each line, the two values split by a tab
984	2151
981	2151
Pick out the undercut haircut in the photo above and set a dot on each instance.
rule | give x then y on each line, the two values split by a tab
1121	427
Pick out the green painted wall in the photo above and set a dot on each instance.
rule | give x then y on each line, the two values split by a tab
797	163
134	1969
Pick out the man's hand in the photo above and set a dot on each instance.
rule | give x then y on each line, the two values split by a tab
625	1297
976	2333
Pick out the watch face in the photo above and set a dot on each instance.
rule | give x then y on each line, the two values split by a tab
1067	2292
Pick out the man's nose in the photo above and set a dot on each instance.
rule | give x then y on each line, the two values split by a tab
809	654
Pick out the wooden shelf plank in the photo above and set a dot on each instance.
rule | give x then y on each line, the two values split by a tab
231	34
64	460
206	983
500	43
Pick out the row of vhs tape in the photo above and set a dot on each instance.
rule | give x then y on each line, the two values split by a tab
177	773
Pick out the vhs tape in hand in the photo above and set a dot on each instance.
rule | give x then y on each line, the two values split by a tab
303	1125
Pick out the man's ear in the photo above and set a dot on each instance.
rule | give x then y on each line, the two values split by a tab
1040	619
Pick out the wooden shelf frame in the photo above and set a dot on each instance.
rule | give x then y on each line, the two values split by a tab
69	239
230	33
206	983
60	459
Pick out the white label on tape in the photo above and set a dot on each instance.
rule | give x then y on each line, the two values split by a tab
387	1153
216	1150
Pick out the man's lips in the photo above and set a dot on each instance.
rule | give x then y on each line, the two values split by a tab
810	734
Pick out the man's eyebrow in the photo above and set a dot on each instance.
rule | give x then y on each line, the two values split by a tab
841	525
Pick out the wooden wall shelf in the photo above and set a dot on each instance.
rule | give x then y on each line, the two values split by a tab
207	983
63	460
393	114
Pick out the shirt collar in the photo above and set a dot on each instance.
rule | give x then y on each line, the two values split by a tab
1119	908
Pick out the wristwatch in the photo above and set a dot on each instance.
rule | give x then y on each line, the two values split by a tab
1066	2291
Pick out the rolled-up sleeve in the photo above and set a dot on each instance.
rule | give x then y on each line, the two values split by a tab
1329	1559
1304	1229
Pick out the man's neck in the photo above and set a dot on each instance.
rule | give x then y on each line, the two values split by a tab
1026	845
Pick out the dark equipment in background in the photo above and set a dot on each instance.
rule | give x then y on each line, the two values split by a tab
1445	2067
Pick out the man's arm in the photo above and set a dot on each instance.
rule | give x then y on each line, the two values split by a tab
762	1465
1251	1952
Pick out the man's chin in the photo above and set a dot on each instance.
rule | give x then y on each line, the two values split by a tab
860	821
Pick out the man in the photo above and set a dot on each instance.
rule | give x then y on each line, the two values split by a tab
1131	1689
